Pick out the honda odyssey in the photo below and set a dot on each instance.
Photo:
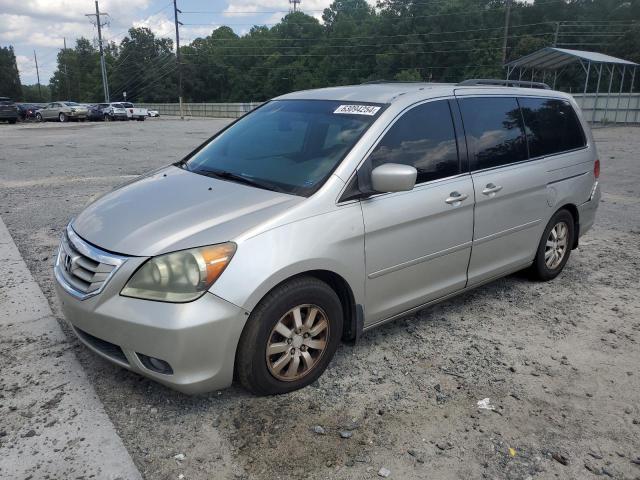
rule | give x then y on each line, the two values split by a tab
320	215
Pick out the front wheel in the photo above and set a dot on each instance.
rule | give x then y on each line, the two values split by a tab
62	117
38	117
555	247
290	337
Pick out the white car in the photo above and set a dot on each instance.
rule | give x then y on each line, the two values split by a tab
153	113
135	113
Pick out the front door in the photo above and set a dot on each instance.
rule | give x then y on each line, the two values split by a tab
418	243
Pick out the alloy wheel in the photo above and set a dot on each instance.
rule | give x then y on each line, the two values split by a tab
297	342
556	246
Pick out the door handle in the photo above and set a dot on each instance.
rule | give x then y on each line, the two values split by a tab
491	189
455	198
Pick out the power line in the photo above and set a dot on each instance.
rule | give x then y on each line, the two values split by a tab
376	45
134	81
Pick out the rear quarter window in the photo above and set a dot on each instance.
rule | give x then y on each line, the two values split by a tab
552	126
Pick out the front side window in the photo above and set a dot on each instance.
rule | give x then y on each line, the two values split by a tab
552	126
495	134
290	146
424	137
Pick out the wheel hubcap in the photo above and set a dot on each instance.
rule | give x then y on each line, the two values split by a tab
556	246
297	342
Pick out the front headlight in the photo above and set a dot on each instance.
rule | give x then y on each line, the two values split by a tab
179	276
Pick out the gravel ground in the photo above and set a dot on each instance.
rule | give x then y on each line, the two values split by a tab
558	361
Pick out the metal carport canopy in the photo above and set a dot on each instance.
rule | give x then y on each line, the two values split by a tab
552	58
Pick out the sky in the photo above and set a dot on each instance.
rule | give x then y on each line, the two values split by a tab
42	25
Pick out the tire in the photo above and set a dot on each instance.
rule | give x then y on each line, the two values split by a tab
107	118
256	371
38	117
140	119
13	121
547	265
62	117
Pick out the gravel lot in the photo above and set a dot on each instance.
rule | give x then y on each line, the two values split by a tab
559	360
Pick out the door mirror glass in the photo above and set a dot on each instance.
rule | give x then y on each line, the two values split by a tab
393	177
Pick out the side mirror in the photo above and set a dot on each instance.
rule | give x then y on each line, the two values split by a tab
393	177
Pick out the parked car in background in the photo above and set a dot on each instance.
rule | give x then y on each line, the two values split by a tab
114	111
62	111
27	111
135	113
153	113
95	112
8	110
247	257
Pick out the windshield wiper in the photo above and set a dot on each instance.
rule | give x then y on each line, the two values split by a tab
234	177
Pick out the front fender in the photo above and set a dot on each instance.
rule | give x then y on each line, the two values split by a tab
332	241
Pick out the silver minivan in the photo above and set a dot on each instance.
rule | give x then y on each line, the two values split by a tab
318	216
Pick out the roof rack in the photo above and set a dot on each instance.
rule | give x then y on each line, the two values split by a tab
504	83
375	82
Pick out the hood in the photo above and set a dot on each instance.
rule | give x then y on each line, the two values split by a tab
173	209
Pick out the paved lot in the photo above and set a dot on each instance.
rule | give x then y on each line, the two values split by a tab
559	360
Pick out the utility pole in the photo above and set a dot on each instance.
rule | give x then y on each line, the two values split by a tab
38	75
175	13
507	17
66	74
103	68
295	4
557	33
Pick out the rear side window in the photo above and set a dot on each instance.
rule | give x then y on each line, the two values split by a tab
424	138
495	134
552	126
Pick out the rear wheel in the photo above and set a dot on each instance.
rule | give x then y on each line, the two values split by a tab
290	337
62	117
13	121
38	117
555	246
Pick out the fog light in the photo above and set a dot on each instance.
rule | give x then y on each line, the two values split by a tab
155	364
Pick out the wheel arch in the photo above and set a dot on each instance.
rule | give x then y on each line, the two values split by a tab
353	312
573	210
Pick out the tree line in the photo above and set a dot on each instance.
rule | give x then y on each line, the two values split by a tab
404	40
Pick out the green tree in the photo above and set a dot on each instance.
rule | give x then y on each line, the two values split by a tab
144	67
78	75
10	85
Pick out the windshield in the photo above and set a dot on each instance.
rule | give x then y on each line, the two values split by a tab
117	105
290	146
72	104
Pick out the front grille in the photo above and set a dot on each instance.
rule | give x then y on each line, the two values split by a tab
82	268
111	350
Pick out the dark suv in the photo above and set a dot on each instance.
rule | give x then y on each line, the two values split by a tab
8	110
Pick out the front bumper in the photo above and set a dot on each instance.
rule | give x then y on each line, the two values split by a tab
197	339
